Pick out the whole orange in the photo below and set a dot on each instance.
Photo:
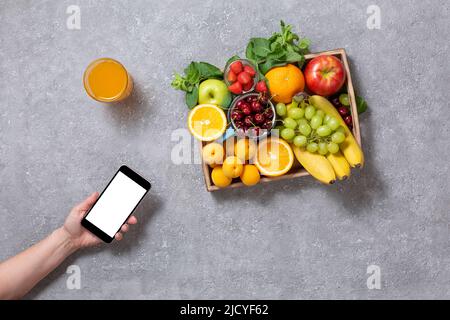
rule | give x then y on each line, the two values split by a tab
285	82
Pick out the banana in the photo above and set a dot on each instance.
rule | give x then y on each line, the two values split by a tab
350	147
340	165
317	165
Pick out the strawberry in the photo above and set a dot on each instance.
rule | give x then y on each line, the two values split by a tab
261	86
250	71
237	67
248	86
244	78
235	88
231	77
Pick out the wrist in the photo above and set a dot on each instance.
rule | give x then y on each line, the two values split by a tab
68	243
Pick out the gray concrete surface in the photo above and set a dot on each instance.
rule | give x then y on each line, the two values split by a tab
291	240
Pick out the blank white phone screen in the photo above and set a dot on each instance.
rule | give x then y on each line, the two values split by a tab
115	204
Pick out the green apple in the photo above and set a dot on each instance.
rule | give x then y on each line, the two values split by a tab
214	91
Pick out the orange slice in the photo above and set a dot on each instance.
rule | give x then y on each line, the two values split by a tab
207	122
274	157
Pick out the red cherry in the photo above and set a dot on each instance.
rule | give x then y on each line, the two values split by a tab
232	77
235	88
246	109
343	111
237	67
256	106
248	86
259	118
250	71
239	104
236	116
261	86
348	121
267	124
268	113
336	103
249	121
239	124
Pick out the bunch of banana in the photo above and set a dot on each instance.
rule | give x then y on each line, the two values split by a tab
327	168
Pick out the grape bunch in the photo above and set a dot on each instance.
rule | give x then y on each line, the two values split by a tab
305	126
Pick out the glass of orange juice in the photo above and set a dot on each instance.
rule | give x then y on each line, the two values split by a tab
107	80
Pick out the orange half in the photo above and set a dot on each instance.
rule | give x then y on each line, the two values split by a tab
274	157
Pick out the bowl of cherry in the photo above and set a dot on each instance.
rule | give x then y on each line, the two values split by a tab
252	114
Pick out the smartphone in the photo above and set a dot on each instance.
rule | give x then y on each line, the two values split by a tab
116	204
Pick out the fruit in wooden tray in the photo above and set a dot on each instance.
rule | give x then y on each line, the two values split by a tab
232	167
250	175
219	178
325	75
207	122
274	157
340	165
316	164
213	153
240	76
253	112
245	149
349	147
285	82
213	91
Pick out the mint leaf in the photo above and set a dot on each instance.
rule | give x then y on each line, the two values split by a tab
192	97
361	104
208	71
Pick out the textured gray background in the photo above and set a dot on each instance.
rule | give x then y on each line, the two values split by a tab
295	239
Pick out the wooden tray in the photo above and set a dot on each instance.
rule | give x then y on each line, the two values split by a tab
297	170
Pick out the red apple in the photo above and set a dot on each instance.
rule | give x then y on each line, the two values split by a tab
325	75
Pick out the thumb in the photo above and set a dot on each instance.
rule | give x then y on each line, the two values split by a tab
88	202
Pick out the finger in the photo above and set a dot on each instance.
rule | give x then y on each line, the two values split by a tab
125	228
132	220
88	202
118	236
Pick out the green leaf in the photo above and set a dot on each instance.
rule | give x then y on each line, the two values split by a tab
304	44
192	73
292	56
208	71
269	64
261	46
192	97
249	54
361	104
179	82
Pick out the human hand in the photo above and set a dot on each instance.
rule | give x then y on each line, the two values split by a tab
80	236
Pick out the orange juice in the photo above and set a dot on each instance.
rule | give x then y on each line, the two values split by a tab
107	80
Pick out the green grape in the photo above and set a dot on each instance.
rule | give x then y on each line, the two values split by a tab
337	137
302	121
287	133
300	141
326	118
309	112
333	123
295	113
343	98
323	150
312	147
320	113
290	123
341	129
281	109
323	131
304	129
316	122
332	147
